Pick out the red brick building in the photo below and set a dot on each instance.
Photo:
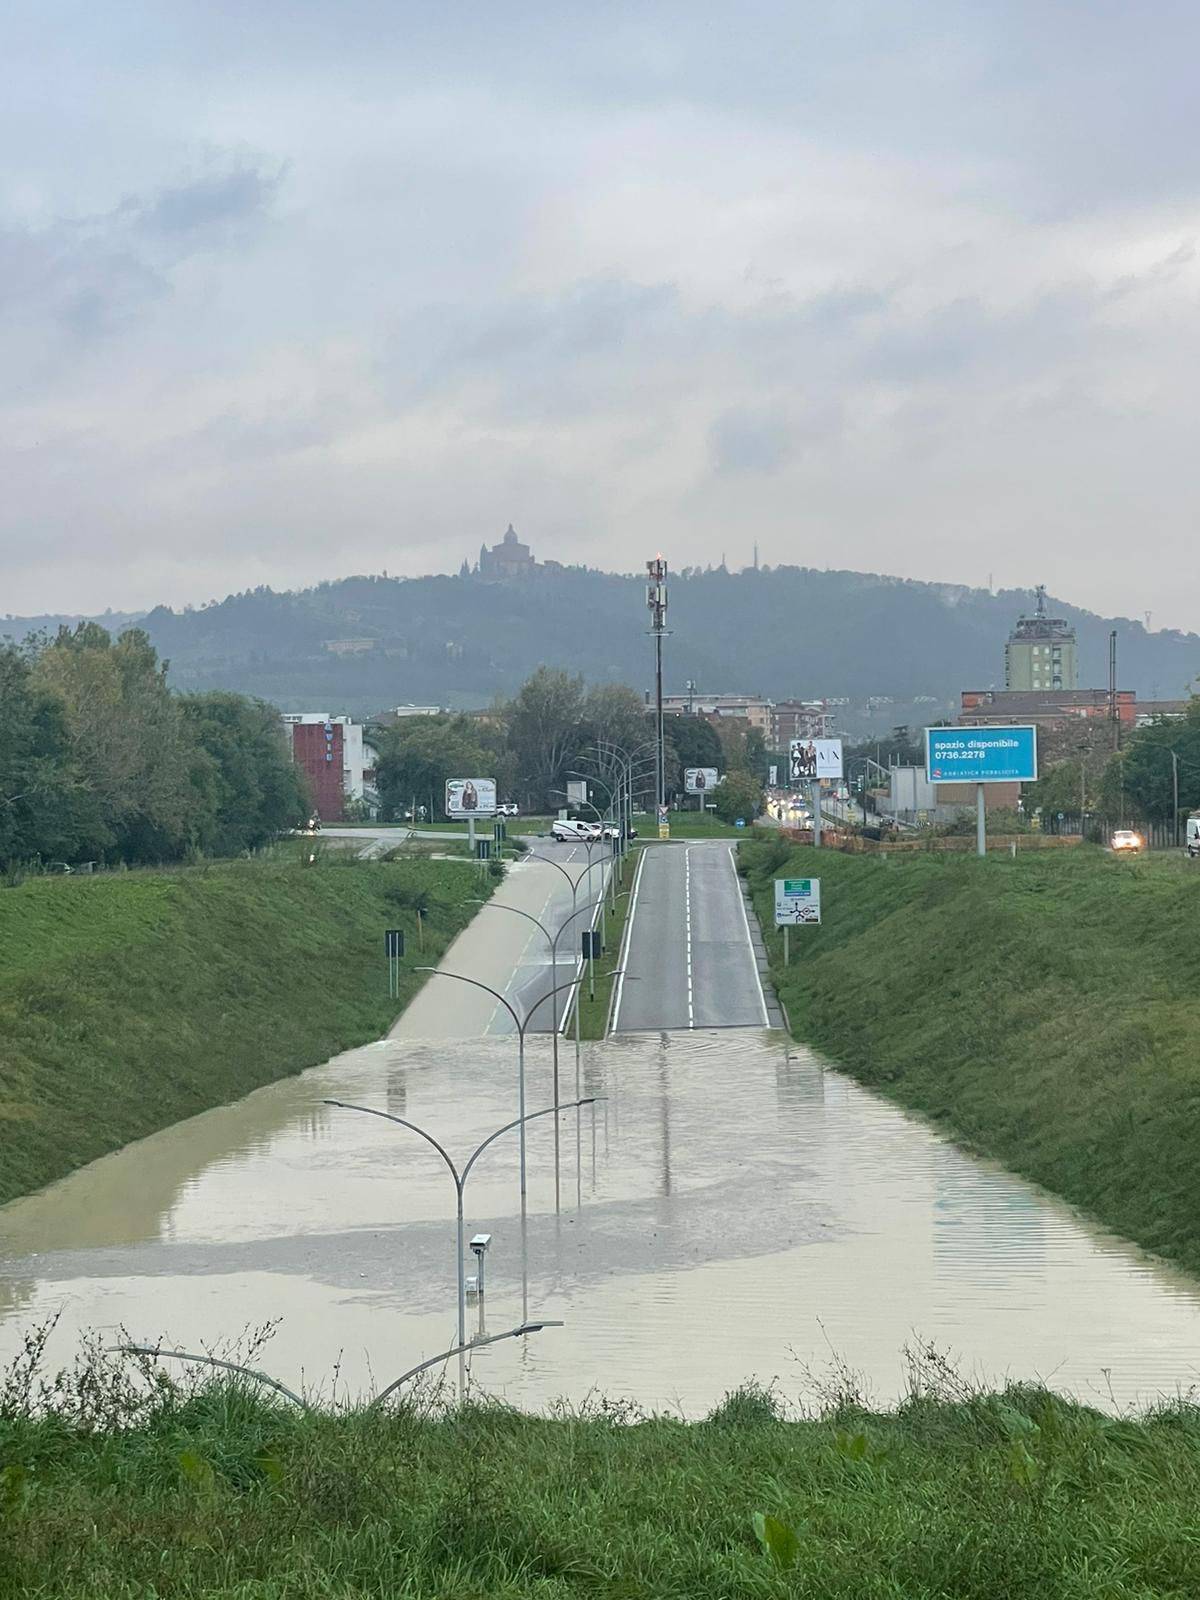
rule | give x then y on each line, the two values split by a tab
1046	708
317	750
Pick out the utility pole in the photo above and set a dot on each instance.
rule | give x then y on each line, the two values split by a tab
656	601
1112	690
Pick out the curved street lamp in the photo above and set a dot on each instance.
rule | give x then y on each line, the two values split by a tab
521	1024
460	1183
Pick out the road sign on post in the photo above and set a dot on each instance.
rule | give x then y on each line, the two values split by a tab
393	944
664	824
797	900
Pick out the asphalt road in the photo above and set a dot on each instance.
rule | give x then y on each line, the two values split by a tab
504	948
690	960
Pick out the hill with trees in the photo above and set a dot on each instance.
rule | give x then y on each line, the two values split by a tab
363	643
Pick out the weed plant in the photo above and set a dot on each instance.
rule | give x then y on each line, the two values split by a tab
125	1485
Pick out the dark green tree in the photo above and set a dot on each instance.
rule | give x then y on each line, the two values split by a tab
127	741
690	742
740	795
1147	764
245	789
547	733
41	792
419	754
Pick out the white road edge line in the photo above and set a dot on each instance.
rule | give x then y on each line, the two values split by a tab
625	943
737	889
581	963
687	925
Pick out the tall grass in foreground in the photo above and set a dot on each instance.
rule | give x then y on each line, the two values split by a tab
118	1482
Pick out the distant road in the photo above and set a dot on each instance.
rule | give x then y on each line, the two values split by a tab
502	948
690	959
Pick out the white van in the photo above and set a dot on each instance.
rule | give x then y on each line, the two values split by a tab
1192	839
566	829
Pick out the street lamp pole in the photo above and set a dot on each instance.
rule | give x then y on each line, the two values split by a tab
656	600
521	1024
553	939
460	1183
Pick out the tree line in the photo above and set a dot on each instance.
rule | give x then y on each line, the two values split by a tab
545	736
101	761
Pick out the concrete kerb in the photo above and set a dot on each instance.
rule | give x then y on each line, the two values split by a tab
775	1011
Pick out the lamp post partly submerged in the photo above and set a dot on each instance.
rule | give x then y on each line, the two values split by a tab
460	1182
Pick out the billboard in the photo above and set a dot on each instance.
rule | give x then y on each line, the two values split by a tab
797	900
577	793
981	755
812	759
470	797
698	780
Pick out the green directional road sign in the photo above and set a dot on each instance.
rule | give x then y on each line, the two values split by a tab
797	900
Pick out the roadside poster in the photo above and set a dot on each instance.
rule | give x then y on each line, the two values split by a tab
981	755
773	777
698	780
470	797
797	900
811	760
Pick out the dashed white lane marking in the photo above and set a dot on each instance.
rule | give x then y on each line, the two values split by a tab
687	918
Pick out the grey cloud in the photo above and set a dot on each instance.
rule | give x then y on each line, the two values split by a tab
965	339
915	266
749	441
74	284
203	211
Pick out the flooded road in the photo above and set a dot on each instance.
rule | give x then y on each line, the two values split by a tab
728	1213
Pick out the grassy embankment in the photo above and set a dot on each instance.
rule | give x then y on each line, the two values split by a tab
1020	1495
1045	1010
130	1001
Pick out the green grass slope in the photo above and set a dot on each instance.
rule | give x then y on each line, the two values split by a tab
1018	1496
128	1002
1045	1009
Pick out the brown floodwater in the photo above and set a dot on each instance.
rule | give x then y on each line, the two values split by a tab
731	1209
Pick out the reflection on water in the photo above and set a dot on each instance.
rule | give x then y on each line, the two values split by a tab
729	1208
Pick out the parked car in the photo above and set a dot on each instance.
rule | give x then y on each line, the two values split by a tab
575	830
1192	839
508	808
1126	842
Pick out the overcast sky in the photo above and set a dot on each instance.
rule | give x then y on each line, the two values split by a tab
296	288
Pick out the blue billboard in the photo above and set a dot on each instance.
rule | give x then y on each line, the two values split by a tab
981	755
